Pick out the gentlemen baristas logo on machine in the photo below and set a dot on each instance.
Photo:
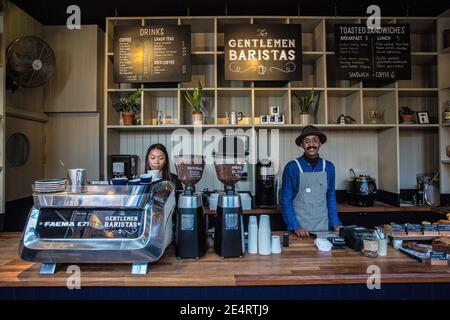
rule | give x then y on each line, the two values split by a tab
90	224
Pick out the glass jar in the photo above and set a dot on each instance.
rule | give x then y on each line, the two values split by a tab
370	246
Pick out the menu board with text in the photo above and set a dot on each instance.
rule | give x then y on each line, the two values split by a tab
373	54
152	53
263	52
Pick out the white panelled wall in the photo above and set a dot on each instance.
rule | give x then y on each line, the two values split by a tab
345	148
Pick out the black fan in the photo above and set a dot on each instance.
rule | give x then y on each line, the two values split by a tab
30	61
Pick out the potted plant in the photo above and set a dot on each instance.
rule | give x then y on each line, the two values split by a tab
195	100
128	106
305	103
407	115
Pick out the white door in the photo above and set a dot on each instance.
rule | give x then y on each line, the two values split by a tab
24	156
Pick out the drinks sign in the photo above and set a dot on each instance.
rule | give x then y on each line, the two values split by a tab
263	52
152	53
373	54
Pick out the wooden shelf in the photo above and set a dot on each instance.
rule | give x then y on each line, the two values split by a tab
418	126
348	208
445	51
387	144
256	126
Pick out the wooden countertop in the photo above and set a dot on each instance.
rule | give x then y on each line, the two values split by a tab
348	208
299	264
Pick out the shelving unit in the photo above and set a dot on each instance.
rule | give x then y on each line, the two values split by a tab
443	23
2	113
381	149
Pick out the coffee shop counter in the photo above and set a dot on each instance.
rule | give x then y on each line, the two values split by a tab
300	271
348	208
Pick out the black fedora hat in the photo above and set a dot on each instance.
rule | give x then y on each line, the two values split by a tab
310	131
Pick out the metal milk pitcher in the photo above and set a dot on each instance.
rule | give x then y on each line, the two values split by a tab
234	117
76	180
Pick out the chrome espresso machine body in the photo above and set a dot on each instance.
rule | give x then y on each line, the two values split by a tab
105	224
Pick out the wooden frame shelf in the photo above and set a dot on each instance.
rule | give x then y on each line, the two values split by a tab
378	149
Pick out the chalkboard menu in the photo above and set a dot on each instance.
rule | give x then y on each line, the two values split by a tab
152	53
373	54
263	52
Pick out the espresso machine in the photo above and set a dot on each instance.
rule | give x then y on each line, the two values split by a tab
266	185
229	165
191	222
103	224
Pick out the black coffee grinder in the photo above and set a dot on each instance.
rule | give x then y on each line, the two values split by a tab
190	223
229	231
266	185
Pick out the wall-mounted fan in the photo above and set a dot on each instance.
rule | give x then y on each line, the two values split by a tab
30	62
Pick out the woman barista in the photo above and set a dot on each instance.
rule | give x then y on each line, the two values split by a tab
158	159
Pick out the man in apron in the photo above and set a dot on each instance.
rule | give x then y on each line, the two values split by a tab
308	197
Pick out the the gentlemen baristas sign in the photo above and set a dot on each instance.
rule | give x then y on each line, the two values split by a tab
263	52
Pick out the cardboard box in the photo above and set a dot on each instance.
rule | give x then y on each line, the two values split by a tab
272	119
438	259
444	229
264	119
274	110
413	229
430	230
280	119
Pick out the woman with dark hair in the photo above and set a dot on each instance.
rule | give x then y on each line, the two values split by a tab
157	158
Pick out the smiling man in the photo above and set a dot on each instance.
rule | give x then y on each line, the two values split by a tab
308	198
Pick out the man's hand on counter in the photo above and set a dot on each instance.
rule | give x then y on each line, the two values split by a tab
301	232
337	228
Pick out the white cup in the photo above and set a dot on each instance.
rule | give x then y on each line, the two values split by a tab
252	235
264	247
156	174
276	246
397	244
382	247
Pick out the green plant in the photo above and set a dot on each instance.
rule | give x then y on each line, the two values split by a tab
305	102
406	111
128	104
195	98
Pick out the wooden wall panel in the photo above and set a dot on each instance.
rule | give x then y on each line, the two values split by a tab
19	180
418	154
72	138
74	86
343	148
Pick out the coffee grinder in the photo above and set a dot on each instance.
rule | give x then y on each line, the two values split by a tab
266	185
229	165
191	222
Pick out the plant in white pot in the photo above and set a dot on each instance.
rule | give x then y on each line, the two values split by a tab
305	103
128	106
195	100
